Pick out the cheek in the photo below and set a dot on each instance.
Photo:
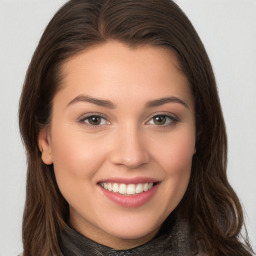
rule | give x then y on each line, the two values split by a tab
74	155
175	154
176	161
75	165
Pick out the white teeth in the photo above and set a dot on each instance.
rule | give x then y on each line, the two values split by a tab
129	189
122	189
145	187
115	187
139	189
109	187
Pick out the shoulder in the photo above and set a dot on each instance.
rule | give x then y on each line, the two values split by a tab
186	241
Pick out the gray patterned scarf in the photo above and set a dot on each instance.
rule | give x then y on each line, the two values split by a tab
173	239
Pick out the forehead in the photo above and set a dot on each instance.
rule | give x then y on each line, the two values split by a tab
145	55
114	69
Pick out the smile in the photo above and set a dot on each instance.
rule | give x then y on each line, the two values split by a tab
127	189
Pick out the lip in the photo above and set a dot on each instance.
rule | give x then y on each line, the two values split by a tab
127	201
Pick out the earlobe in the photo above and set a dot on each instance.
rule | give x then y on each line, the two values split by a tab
44	144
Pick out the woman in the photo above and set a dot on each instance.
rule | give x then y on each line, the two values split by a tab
125	137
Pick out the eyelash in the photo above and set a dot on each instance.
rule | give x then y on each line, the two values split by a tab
169	118
83	120
172	120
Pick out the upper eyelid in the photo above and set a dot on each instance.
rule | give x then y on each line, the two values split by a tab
92	114
171	115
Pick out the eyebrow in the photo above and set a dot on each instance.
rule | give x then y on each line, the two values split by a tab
99	102
111	105
162	101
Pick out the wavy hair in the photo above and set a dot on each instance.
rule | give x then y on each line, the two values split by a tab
210	205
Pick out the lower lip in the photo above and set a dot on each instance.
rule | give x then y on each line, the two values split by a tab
131	200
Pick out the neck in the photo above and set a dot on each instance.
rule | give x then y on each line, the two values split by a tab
103	238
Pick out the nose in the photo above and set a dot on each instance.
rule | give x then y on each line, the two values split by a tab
129	149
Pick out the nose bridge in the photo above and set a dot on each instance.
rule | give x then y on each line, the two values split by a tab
129	149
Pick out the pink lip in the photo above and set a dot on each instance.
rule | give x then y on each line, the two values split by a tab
130	200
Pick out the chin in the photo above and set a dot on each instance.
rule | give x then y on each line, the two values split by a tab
132	228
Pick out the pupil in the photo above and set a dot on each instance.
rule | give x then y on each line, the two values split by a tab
94	120
160	120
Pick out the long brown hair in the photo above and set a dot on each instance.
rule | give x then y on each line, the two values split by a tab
210	205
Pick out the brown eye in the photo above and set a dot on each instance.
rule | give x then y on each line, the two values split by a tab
94	120
159	120
162	120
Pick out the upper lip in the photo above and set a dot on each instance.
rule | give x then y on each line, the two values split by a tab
135	180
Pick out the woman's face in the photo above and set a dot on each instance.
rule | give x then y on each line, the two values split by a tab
121	140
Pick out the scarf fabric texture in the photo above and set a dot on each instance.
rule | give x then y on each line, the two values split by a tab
173	239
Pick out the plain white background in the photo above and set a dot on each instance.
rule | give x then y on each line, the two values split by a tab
228	30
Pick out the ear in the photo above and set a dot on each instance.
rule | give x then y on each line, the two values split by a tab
44	144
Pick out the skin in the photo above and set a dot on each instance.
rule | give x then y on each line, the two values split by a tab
127	142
